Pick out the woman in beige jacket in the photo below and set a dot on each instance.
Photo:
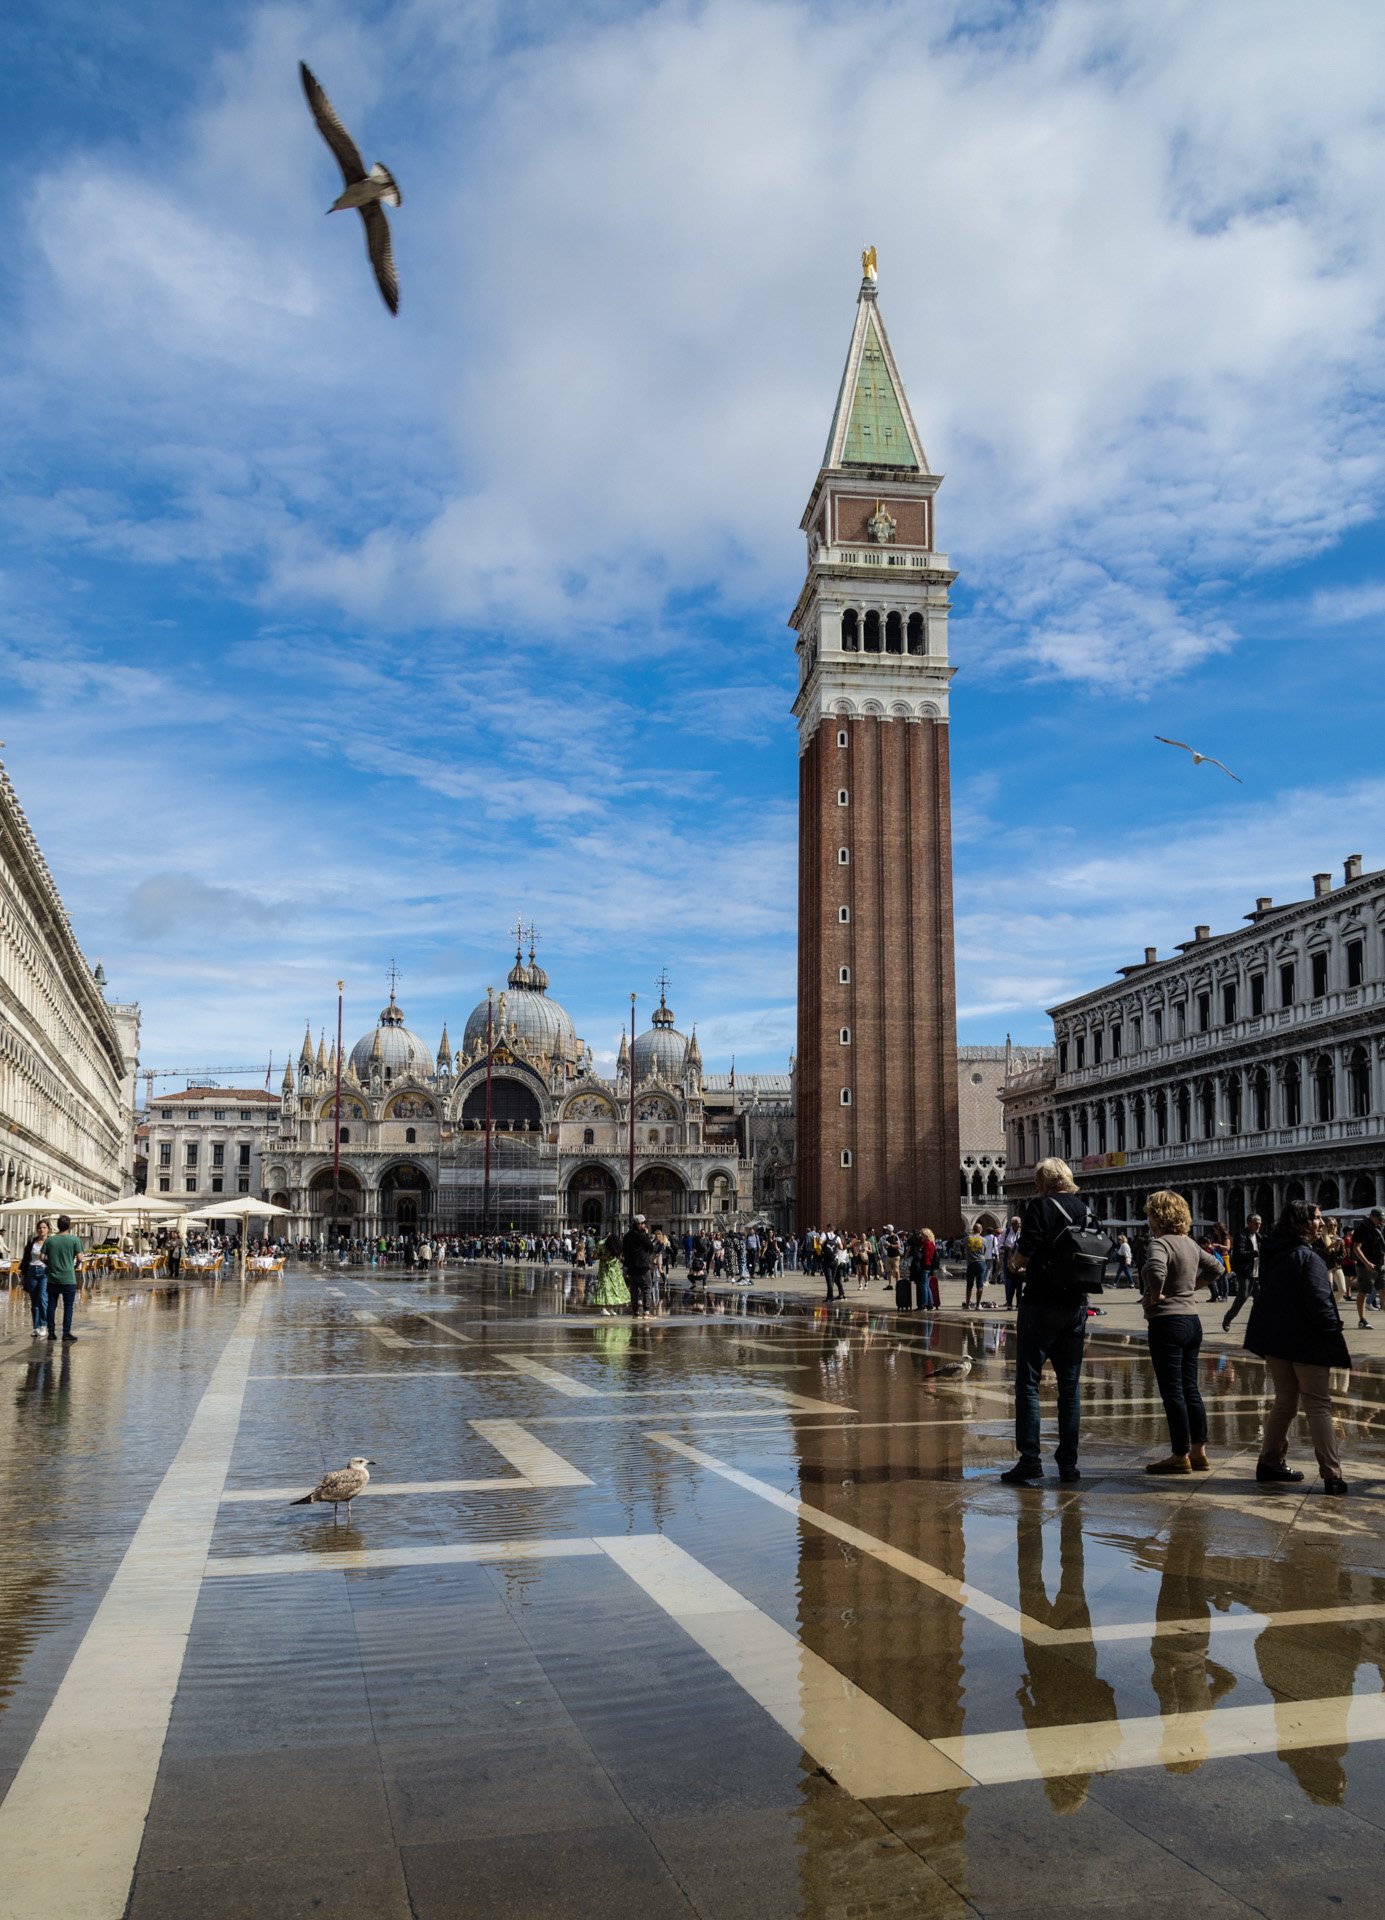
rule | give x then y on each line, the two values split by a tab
1175	1267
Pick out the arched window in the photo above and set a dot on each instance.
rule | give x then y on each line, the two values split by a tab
653	1136
851	631
894	633
1233	1104
1185	1114
992	1185
965	1185
1293	1105
1161	1119
1120	1126
1324	1089
916	635
589	1136
978	1191
1260	1099
872	632
345	1135
1139	1119
1207	1103
1359	1081
411	1135
1328	1195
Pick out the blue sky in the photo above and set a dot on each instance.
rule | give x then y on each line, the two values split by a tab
328	639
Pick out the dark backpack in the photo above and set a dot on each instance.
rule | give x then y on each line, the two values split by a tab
1077	1255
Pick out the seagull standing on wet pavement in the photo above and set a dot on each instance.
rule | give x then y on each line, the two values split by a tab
1201	759
340	1488
363	191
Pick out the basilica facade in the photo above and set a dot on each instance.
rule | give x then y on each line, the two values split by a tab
515	1129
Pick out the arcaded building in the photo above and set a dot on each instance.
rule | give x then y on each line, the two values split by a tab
877	1127
1246	1069
67	1054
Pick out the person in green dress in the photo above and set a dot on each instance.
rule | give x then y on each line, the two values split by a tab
611	1292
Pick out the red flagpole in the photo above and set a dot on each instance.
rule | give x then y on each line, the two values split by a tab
486	1190
632	1109
336	1130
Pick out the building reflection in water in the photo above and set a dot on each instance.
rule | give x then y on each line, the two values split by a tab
898	1641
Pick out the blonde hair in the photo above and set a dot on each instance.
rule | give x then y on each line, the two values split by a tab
1054	1176
1168	1213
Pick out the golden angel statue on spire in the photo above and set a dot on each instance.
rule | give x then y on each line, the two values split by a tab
868	263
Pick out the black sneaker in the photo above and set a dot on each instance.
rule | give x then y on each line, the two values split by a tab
1277	1476
1333	1483
1068	1474
1024	1473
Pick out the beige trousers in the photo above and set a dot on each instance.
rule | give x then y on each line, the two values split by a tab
1294	1381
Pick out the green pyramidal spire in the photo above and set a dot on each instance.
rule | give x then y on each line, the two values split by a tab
872	425
876	435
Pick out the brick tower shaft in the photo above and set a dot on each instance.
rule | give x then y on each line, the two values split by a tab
876	1092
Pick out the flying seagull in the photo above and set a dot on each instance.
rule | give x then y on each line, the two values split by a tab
364	191
1201	759
340	1488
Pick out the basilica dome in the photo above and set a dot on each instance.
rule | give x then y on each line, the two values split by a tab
660	1051
545	1028
401	1050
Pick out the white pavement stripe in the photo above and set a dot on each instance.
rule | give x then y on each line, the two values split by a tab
362	1559
540	1465
267	1496
952	1589
1167	1740
99	1746
550	1377
371	1323
401	1373
464	1339
867	1751
998	1611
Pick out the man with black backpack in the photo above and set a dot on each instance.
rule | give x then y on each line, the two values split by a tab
1061	1258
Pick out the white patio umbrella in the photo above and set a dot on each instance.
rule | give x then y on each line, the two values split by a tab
57	1200
245	1209
141	1206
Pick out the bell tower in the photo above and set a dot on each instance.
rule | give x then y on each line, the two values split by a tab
877	1013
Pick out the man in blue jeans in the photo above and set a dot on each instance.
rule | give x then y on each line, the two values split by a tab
60	1251
1050	1325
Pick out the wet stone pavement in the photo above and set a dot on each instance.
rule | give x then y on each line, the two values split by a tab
708	1615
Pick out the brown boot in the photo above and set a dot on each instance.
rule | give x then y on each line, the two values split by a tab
1176	1463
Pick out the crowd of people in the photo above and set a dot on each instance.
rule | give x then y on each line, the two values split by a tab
1050	1262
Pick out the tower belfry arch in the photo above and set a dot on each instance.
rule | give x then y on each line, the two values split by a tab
877	1023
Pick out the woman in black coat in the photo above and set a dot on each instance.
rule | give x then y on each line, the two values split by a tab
1296	1328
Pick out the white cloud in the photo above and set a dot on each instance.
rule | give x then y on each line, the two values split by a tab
1135	284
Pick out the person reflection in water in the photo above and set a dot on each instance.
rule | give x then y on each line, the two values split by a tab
1186	1681
1061	1685
1336	1653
